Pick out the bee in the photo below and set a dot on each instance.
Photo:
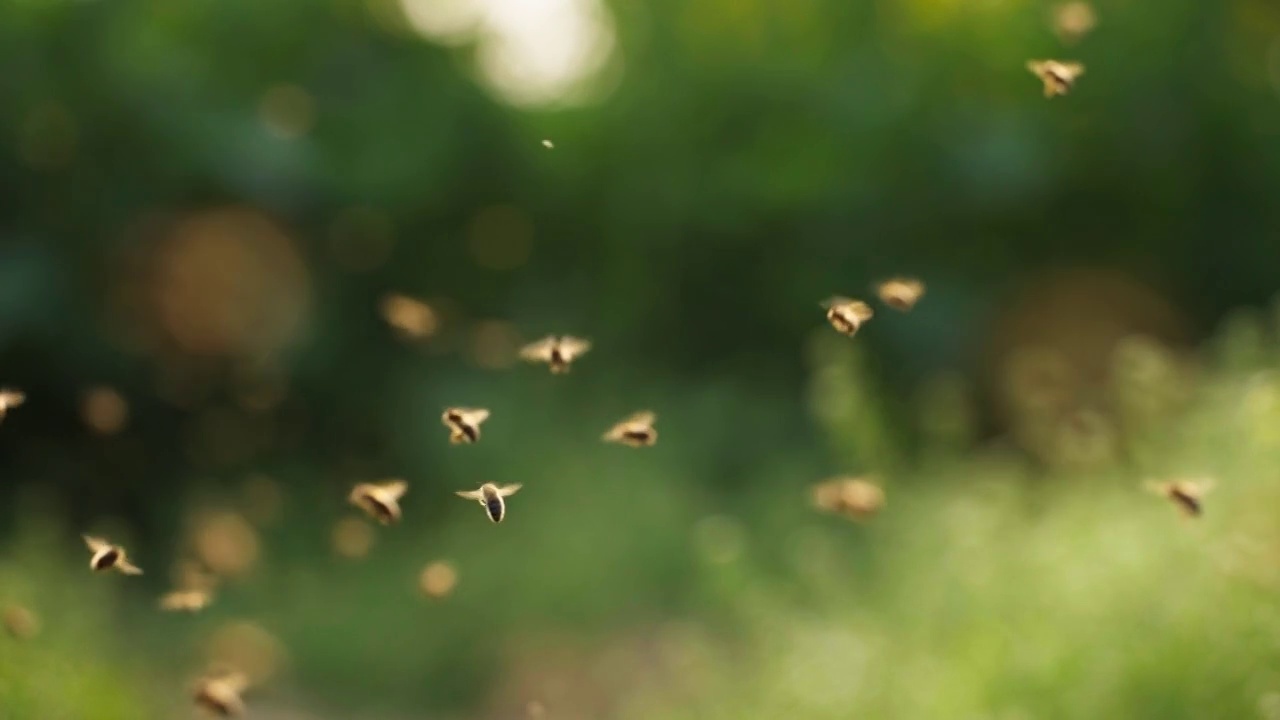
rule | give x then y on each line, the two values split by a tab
1058	77
901	294
847	315
108	557
464	423
219	692
635	431
1187	495
21	623
380	500
490	496
9	399
556	351
855	498
186	600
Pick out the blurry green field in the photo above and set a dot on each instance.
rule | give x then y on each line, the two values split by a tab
987	589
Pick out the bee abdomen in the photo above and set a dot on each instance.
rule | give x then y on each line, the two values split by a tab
107	560
495	508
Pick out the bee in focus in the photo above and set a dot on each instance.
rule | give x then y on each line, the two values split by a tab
1187	495
901	294
1058	77
219	692
491	497
855	498
464	424
9	399
557	351
635	431
847	315
380	500
108	557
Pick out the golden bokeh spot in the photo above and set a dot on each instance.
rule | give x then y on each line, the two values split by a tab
495	344
247	647
535	710
230	282
225	542
21	623
1073	20
49	137
500	238
352	538
410	318
361	238
437	579
288	111
104	410
260	387
263	499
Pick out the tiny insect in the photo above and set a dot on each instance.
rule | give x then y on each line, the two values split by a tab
1187	495
1058	77
9	399
464	424
220	693
634	431
557	351
108	557
855	498
186	600
901	294
847	315
548	144
491	497
380	500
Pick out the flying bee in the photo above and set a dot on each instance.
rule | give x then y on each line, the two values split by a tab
635	431
108	557
1058	77
219	692
380	500
846	315
491	497
464	424
557	351
855	498
186	600
9	399
1187	495
901	294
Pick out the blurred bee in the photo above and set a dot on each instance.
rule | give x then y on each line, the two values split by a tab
380	500
1187	495
9	399
855	498
557	351
219	692
186	600
491	497
464	424
846	315
108	557
901	294
635	431
1058	77
1073	20
21	623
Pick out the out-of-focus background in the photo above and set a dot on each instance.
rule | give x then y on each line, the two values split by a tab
249	251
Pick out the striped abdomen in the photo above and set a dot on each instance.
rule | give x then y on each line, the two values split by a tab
496	508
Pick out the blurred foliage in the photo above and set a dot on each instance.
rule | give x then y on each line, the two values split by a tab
249	251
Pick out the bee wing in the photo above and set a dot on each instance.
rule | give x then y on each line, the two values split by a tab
469	494
473	416
1073	69
12	398
835	300
540	350
95	544
572	347
861	310
359	493
643	418
1036	67
128	568
394	489
506	490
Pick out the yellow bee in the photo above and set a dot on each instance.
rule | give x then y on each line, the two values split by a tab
557	351
856	498
847	315
9	399
464	423
380	500
108	557
1058	77
1187	495
186	600
635	431
491	497
219	692
900	293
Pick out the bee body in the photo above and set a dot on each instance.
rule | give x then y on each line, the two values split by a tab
634	431
496	508
491	497
464	424
106	556
847	316
1058	77
557	351
381	501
